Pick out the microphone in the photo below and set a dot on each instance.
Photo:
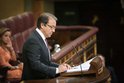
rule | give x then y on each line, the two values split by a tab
57	48
80	64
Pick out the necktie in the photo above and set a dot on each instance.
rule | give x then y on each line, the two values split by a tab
46	42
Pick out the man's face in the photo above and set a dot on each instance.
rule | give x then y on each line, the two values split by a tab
50	27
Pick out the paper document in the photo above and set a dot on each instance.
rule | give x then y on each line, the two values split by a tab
82	67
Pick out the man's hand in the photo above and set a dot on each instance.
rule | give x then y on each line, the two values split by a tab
63	67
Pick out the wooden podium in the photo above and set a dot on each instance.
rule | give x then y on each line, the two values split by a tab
96	68
96	74
101	78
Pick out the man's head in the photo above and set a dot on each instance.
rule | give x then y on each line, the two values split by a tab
47	24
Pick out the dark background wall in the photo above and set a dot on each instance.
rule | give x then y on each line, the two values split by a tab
107	16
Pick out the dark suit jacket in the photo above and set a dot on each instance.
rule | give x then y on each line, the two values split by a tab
37	64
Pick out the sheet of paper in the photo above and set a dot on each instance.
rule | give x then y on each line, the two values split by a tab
82	67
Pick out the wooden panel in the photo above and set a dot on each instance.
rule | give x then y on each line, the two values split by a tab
80	49
102	78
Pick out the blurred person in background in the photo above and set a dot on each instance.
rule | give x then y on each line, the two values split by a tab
7	54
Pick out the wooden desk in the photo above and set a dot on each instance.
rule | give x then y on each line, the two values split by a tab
103	78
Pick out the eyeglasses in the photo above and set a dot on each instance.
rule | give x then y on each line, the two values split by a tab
52	27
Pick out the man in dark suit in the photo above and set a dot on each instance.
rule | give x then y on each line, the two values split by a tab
36	55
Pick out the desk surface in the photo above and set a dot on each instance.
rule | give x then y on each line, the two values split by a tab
78	79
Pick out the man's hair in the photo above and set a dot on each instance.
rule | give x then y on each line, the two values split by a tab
44	18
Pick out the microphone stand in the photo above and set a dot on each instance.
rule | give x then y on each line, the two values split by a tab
80	64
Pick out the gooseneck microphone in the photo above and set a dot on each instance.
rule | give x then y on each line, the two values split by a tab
80	64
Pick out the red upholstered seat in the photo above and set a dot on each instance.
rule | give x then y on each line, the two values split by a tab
31	29
26	20
11	24
2	23
31	17
21	26
18	23
25	34
15	46
20	41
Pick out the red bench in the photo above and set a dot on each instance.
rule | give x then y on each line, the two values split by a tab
21	26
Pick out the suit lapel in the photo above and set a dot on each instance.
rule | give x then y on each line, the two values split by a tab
42	43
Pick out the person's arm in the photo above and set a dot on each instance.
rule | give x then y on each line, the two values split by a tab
11	50
13	54
54	64
3	63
